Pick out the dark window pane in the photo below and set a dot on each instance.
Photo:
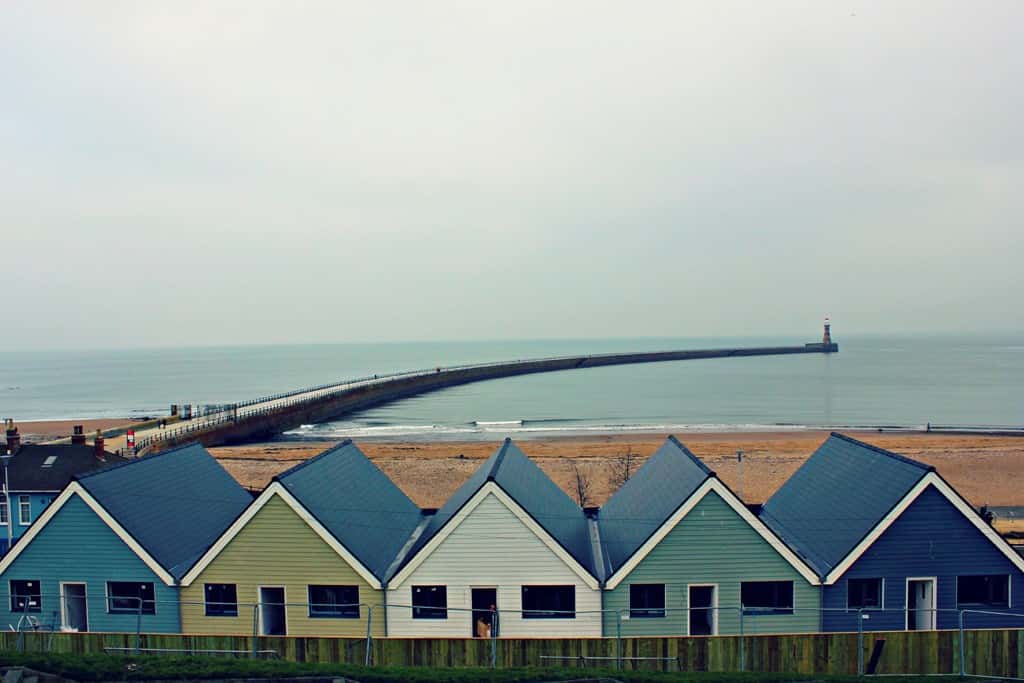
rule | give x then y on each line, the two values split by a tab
124	597
767	597
549	602
429	602
864	593
991	590
334	602
221	600
26	596
646	600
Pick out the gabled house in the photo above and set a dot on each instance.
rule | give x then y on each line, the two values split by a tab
683	553
107	553
36	474
510	539
889	536
309	556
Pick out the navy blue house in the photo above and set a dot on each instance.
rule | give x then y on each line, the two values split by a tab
892	539
107	554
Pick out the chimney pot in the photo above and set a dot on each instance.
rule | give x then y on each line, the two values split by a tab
78	436
101	454
13	437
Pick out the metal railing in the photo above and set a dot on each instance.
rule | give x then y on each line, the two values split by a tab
256	621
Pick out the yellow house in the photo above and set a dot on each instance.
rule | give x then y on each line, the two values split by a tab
308	557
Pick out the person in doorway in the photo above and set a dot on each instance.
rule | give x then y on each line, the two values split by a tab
483	629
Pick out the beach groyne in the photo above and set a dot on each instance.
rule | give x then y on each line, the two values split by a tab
264	418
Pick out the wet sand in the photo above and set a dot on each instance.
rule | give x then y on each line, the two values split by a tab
48	430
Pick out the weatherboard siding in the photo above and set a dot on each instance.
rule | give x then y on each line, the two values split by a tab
278	548
492	548
712	544
930	539
77	546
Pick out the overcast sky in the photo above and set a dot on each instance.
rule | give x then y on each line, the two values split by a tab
216	172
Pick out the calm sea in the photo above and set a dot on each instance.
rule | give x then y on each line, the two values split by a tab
873	381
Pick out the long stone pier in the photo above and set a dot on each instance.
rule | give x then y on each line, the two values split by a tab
266	417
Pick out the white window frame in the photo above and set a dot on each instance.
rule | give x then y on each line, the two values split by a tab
106	598
5	511
742	606
714	605
664	602
935	601
24	500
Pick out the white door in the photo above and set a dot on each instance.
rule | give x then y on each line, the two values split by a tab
920	604
74	610
273	619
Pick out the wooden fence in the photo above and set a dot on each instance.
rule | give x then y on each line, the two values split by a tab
988	652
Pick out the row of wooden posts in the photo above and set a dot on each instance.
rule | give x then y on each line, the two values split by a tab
998	652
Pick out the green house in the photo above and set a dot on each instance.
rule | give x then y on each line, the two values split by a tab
683	555
309	557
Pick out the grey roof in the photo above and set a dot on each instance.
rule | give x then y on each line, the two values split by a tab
648	499
837	497
534	491
175	503
356	502
29	471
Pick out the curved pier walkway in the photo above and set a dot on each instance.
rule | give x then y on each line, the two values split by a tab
268	416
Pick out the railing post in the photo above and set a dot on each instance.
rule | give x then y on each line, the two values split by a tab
255	627
860	642
618	640
369	637
963	649
743	647
494	637
138	624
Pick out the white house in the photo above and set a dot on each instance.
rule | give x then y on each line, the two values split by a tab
511	541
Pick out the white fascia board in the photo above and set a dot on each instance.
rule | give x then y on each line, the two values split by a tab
276	489
709	485
76	489
930	479
491	488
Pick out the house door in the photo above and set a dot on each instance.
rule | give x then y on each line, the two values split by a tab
485	601
921	604
74	608
272	611
703	620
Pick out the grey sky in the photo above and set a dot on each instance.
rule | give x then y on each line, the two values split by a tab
214	172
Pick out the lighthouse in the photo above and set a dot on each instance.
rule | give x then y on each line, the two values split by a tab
827	338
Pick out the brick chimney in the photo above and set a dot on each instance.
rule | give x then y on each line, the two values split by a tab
78	436
101	454
13	437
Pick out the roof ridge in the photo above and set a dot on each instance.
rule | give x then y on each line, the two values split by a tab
697	461
295	468
499	457
882	451
133	461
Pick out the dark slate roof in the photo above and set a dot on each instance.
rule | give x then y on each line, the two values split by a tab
837	497
27	472
534	491
175	503
648	499
356	502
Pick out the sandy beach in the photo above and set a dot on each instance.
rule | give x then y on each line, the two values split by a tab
47	430
985	469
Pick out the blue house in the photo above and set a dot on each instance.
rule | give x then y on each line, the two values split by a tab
890	537
107	553
35	476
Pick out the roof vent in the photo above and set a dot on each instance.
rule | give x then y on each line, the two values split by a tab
50	459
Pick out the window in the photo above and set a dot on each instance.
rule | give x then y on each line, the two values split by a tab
221	599
430	602
3	509
123	597
334	602
549	602
26	596
646	600
24	510
864	593
983	591
767	597
50	459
